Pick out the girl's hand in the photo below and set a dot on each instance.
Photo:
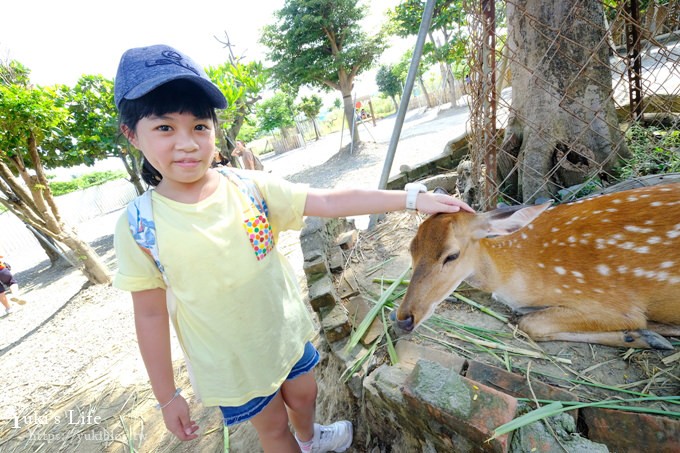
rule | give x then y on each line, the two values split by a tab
433	203
178	421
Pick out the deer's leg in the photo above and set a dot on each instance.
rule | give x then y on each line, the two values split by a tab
596	326
667	330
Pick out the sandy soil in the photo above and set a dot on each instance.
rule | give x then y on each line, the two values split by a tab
73	379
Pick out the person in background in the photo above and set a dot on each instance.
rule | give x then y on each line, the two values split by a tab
220	161
7	280
248	159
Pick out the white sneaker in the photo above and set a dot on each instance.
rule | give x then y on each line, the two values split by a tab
335	437
9	310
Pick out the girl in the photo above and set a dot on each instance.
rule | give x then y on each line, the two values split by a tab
245	334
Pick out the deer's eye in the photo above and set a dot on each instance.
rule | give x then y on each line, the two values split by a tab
451	257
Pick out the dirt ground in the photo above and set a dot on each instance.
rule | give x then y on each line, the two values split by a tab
73	379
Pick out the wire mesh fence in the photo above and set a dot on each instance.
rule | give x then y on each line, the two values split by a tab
570	94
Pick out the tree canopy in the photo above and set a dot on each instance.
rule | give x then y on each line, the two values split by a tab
389	82
29	117
241	84
321	43
316	42
311	106
276	112
447	33
90	131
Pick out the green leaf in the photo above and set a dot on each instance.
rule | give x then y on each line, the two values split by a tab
528	418
366	323
394	358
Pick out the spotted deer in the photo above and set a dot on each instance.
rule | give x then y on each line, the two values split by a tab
600	270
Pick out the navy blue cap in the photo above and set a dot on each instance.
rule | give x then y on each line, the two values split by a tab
144	69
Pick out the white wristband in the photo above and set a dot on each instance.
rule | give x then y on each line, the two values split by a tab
412	190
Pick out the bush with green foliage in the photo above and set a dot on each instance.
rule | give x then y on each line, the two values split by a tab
85	181
249	130
390	81
654	151
277	112
382	107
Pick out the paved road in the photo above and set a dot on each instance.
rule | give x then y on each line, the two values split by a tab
424	134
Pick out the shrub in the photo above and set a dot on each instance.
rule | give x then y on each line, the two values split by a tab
85	181
382	106
654	151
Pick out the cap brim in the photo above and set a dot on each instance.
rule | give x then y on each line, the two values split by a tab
214	94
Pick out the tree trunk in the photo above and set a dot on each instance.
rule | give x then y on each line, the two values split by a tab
316	129
562	128
425	93
446	92
350	116
396	105
90	263
452	85
236	125
50	252
131	164
39	210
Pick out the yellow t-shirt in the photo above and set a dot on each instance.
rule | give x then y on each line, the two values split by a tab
241	321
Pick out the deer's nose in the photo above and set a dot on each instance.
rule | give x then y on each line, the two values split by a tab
405	324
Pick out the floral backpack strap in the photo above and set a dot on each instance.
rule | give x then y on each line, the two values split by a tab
143	228
248	187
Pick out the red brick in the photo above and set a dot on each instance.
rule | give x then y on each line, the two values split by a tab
632	432
516	385
471	411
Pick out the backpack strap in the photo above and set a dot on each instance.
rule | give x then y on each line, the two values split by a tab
248	187
143	227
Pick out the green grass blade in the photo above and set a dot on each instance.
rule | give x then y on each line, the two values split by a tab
528	418
458	296
556	407
481	307
358	363
394	358
366	323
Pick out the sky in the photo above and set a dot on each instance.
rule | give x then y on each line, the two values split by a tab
61	40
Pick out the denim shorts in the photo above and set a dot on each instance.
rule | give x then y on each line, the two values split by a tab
237	414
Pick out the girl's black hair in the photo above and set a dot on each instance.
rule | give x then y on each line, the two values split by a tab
177	96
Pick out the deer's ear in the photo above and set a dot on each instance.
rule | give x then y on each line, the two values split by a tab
440	190
507	220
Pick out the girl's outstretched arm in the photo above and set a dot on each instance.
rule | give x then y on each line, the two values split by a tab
153	335
348	202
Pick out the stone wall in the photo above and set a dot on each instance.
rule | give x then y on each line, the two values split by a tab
433	401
